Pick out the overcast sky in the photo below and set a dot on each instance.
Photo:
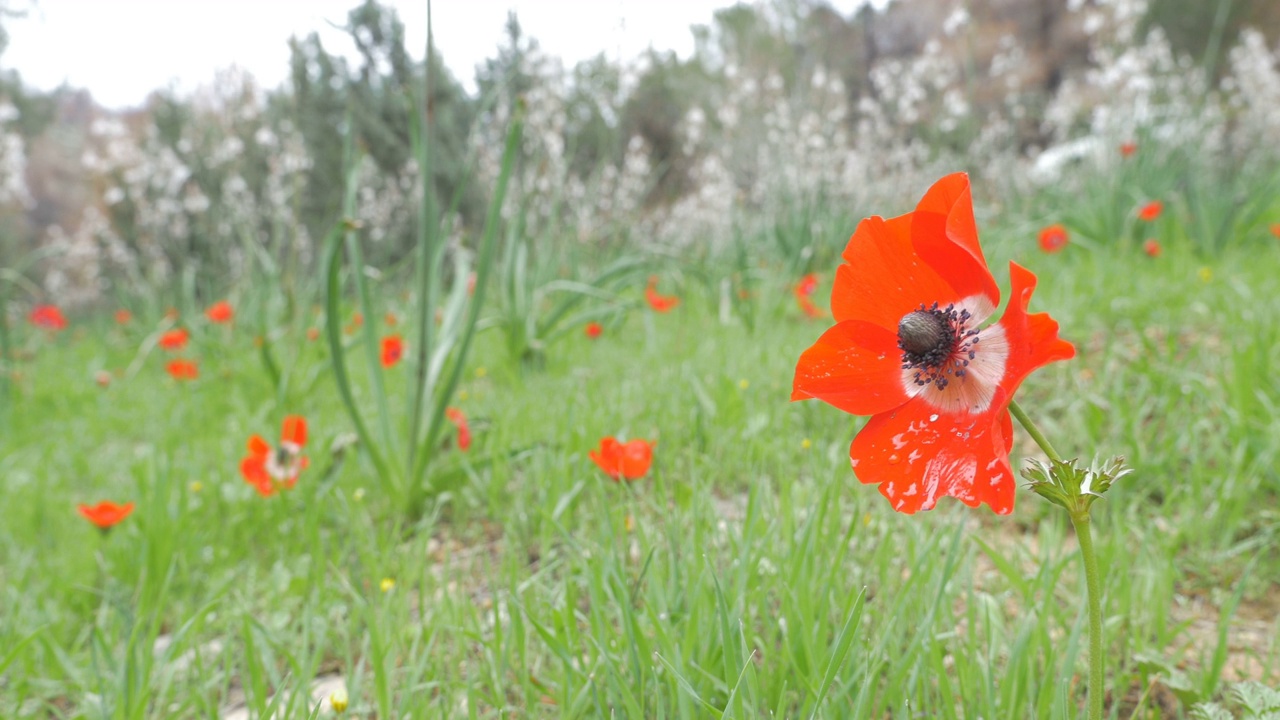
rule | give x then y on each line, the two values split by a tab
120	50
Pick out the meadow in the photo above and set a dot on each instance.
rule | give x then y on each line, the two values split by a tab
747	573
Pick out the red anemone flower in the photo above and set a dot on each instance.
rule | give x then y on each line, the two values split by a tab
1150	211
392	350
48	317
1053	238
267	468
630	460
105	514
123	317
803	292
183	369
464	431
807	285
660	303
593	330
910	348
1128	149
1152	247
220	312
174	339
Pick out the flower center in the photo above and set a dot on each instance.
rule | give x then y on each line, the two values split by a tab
937	344
283	463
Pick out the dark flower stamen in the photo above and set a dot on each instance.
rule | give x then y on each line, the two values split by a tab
937	343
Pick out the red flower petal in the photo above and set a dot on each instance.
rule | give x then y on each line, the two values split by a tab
882	278
609	457
945	236
1033	339
918	455
636	457
294	430
855	366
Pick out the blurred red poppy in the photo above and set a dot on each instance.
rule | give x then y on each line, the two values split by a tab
1150	211
459	421
48	317
183	369
1053	238
1275	230
313	334
803	292
630	460
1128	149
123	317
268	469
1152	247
910	348
220	312
392	350
660	303
174	339
594	329
105	514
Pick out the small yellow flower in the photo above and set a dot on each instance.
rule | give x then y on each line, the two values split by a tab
387	585
338	700
806	443
1205	273
196	486
358	495
744	384
866	519
630	523
481	372
463	395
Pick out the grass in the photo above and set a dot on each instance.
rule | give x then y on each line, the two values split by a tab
750	574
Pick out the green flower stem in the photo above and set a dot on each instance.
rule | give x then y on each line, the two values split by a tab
1092	579
1093	584
1034	431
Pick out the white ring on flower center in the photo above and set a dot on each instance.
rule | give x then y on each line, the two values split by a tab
973	391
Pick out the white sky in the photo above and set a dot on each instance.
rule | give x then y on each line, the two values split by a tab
120	50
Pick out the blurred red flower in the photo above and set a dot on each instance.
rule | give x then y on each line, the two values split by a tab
910	349
594	329
267	468
1150	211
392	350
105	514
123	317
1275	230
803	292
174	339
183	369
630	460
660	303
1152	247
48	317
1053	238
313	334
459	421
220	312
1128	149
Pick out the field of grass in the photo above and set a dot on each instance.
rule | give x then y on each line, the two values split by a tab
748	575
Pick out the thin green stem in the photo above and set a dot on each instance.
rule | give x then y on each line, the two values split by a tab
1034	431
1093	584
